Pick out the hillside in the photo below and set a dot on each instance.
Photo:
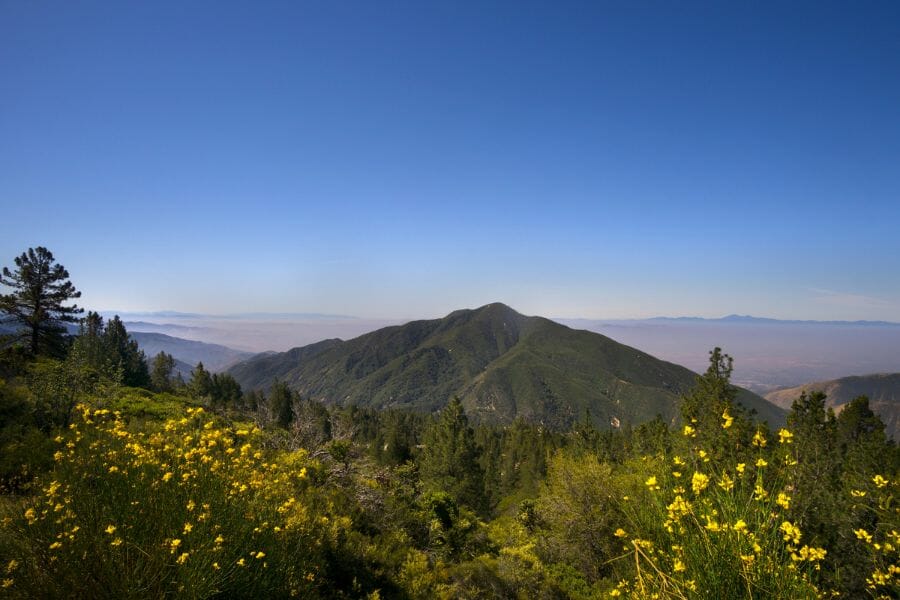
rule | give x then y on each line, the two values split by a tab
503	366
883	391
214	357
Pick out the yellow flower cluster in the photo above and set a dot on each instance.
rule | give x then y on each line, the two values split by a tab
190	484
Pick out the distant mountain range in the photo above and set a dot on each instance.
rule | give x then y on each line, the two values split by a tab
501	364
883	391
766	321
214	357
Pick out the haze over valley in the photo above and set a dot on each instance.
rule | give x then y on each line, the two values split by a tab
768	353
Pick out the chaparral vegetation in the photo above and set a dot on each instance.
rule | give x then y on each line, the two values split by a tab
121	480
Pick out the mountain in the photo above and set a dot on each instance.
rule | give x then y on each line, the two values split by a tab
501	364
883	391
214	357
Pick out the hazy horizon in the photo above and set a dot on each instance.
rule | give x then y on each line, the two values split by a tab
768	354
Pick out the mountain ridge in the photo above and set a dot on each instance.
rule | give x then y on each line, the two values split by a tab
502	365
882	389
214	357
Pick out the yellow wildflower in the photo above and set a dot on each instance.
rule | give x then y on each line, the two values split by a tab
783	500
116	542
726	483
879	481
699	481
689	431
651	483
740	468
678	566
174	544
791	532
183	558
863	535
12	566
727	419
620	533
7	583
188	527
760	493
110	529
857	493
55	545
785	436
260	555
759	439
167	476
761	463
740	526
241	562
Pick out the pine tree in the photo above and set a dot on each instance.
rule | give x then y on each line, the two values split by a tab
89	344
40	289
161	374
226	391
449	461
719	424
125	354
281	401
201	382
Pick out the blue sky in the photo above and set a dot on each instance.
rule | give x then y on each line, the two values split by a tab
381	159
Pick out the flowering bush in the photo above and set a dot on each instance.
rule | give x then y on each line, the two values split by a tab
187	508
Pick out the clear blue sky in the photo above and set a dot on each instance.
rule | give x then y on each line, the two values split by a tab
605	159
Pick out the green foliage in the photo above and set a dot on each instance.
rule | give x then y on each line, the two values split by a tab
577	514
352	502
281	401
161	372
110	351
41	287
449	461
186	508
501	364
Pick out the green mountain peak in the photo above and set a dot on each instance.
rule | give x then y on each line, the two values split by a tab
501	364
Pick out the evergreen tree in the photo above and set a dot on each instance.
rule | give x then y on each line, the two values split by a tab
226	391
40	289
110	351
201	382
281	401
817	475
125	354
864	447
161	373
719	423
449	461
89	345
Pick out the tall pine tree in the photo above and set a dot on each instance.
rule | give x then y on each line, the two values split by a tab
449	461
37	303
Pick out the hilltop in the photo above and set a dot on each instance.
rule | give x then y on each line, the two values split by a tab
501	364
883	391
